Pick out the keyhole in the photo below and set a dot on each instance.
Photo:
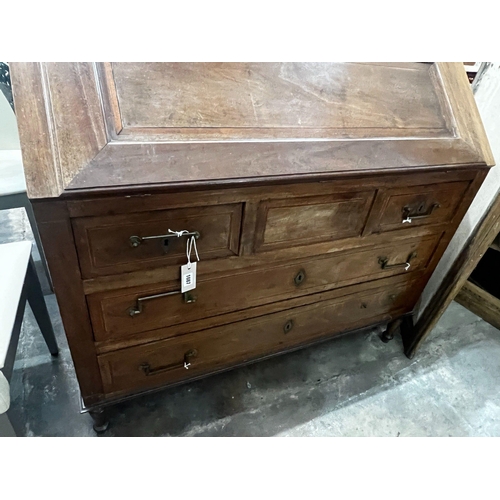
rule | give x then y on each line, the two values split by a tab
288	326
421	208
301	275
165	245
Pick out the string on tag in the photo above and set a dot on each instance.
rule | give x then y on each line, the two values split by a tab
178	233
190	244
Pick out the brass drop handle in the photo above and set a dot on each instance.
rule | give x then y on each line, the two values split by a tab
188	297
188	356
299	277
383	261
408	216
135	241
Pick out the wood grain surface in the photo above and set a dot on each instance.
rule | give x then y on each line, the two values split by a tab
105	125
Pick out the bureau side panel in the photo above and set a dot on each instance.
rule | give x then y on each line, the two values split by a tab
57	238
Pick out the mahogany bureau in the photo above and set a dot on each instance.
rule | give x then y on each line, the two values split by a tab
320	197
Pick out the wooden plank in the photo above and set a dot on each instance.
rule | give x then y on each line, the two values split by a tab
111	108
77	115
480	302
162	134
468	120
41	164
277	95
206	164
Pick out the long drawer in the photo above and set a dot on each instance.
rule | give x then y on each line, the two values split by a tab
187	356
116	314
120	243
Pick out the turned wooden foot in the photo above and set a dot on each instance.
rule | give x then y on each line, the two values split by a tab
390	330
100	418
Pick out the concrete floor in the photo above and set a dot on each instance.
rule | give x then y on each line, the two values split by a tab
351	386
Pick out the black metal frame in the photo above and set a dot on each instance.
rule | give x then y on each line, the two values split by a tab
5	85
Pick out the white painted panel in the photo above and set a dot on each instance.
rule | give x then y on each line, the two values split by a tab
9	137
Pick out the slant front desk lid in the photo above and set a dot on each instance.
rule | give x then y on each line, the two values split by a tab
108	125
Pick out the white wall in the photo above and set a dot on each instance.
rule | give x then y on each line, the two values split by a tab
9	138
487	96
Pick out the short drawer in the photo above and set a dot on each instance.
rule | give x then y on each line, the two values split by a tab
131	311
411	206
187	356
311	219
121	243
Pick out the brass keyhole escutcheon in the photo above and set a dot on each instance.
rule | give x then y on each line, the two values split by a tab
288	326
300	277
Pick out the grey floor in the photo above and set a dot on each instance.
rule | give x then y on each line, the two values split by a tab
350	386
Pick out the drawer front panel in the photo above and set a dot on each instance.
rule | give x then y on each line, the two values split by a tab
105	245
111	311
415	206
311	219
208	350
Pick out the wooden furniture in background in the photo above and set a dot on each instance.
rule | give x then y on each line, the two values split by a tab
480	302
481	291
323	194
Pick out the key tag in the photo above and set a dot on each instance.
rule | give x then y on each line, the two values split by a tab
188	271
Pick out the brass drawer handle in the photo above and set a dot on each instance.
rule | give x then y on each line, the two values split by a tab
300	277
189	298
383	261
408	217
135	241
148	371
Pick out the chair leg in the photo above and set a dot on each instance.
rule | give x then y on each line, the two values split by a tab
39	308
36	234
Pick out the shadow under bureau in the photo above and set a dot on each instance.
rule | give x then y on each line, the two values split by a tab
320	197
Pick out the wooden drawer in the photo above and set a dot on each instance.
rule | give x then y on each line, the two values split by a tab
411	206
162	362
105	247
311	219
111	311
